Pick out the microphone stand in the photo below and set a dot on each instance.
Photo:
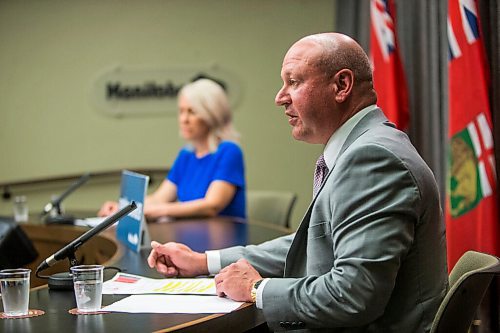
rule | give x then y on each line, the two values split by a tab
64	280
55	204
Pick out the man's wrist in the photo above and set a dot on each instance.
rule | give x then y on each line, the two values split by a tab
213	262
203	264
253	292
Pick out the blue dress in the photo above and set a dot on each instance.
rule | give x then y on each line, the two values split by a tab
193	175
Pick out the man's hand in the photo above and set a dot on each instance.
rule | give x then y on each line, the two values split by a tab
175	259
236	280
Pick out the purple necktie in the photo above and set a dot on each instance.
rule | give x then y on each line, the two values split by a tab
319	174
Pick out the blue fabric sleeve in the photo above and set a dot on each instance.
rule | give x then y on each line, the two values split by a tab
231	167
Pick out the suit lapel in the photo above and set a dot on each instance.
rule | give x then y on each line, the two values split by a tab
293	266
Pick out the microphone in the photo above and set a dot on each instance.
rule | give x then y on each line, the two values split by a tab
56	202
69	250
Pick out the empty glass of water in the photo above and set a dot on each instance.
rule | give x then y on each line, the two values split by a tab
21	211
87	281
15	288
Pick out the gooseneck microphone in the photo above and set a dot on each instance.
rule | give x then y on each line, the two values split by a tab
55	204
64	280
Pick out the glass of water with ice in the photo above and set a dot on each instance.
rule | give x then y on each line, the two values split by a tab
15	288
87	281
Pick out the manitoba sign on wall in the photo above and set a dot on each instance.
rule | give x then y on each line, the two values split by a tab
127	91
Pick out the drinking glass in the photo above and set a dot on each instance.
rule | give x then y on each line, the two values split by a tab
20	209
15	288
87	281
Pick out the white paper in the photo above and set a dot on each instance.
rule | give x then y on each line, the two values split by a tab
89	221
129	284
173	304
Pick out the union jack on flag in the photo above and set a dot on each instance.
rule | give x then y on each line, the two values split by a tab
468	11
470	25
388	76
383	26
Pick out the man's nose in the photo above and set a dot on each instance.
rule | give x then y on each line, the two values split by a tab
281	97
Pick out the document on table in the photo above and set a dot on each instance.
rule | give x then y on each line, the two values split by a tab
173	304
129	284
90	221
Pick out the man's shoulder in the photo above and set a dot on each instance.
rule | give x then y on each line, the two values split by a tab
385	143
383	136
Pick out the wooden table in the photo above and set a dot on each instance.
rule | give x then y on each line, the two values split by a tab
200	234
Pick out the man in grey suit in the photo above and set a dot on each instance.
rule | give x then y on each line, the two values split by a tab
369	254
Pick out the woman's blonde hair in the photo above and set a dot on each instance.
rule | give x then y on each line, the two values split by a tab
209	101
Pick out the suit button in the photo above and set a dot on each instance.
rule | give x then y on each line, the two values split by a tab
282	324
301	324
294	324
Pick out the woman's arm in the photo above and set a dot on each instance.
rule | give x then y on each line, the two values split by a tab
167	192
218	196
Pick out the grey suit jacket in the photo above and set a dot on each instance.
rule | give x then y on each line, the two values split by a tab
370	252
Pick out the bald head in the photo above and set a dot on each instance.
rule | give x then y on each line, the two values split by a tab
339	51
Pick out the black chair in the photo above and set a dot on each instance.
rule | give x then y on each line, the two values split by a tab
16	249
469	280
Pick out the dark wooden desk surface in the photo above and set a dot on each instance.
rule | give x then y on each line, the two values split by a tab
200	235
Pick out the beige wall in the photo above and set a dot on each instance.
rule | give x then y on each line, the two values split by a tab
52	51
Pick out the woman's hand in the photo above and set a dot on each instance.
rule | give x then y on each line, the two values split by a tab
108	208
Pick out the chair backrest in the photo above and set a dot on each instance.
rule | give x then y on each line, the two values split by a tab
469	281
273	207
16	248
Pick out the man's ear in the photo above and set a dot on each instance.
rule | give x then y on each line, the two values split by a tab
343	82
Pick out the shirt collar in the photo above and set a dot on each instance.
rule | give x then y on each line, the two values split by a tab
336	141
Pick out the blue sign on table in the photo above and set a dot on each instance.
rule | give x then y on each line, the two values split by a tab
132	229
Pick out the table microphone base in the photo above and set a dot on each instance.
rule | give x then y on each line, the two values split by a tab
61	281
60	219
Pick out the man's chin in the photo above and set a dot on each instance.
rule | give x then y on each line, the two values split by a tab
307	138
299	135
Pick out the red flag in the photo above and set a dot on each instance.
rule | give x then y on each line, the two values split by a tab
471	212
388	75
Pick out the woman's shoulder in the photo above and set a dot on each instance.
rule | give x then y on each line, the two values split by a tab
229	146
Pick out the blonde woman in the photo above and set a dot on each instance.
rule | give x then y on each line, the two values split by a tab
208	176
